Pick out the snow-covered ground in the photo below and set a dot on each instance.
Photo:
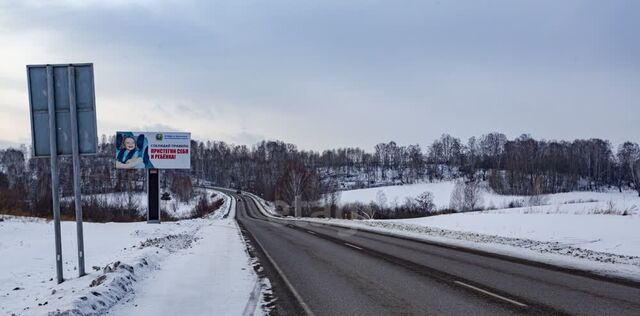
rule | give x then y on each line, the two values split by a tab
588	202
398	193
139	268
604	233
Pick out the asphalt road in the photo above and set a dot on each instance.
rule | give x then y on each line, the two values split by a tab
328	270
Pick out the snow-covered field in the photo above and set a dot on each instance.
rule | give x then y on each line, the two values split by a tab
398	193
576	202
139	268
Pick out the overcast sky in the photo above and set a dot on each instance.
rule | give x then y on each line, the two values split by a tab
325	74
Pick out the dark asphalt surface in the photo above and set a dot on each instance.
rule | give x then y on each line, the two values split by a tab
338	271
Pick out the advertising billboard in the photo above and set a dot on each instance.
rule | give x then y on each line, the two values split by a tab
153	150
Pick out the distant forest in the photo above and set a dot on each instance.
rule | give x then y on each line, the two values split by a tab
280	171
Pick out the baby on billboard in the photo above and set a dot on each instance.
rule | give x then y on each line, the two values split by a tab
132	151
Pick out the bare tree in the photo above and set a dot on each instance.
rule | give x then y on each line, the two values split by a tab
456	201
473	199
425	202
381	198
332	197
466	196
629	159
296	184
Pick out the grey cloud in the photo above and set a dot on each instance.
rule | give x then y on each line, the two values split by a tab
360	72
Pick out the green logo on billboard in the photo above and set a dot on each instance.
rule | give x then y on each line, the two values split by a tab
159	136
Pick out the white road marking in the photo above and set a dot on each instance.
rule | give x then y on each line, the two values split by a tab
310	232
353	246
295	293
490	294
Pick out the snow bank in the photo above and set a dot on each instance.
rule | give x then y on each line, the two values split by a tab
121	258
119	246
617	235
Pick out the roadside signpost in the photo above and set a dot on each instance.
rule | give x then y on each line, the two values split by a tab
63	122
153	151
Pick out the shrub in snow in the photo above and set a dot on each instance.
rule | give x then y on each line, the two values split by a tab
515	204
425	201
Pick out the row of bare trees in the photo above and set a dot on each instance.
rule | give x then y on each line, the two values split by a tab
278	170
519	166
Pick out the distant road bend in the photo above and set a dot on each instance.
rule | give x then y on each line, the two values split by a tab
328	270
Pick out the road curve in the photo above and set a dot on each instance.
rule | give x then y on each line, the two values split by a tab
328	270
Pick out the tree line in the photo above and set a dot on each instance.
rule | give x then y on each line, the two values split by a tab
281	171
522	166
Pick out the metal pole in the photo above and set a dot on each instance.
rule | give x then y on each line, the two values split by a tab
53	146
76	166
158	197
296	210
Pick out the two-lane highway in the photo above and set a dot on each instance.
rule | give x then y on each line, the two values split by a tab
330	270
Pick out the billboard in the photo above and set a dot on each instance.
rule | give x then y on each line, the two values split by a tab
153	150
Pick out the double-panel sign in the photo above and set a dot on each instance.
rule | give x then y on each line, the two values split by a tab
79	83
153	150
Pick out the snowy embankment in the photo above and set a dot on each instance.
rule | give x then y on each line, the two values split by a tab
582	230
123	261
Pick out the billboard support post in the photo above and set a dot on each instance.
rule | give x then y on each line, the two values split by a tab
76	167
54	172
153	196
